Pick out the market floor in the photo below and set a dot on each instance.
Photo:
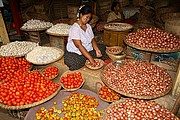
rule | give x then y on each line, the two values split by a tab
167	100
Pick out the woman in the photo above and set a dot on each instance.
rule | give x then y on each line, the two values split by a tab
116	15
81	44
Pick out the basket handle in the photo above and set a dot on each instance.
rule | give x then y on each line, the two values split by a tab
98	83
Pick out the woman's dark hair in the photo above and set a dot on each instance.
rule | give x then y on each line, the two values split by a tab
86	10
114	5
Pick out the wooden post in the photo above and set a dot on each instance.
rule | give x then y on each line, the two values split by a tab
3	31
176	86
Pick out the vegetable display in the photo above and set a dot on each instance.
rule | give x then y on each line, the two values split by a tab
9	65
153	39
76	106
72	80
25	88
136	78
136	109
50	72
17	48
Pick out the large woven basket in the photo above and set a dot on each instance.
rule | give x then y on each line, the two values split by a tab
119	63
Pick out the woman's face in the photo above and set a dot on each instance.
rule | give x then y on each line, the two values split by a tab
117	8
85	18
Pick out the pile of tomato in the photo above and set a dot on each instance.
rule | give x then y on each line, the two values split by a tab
8	65
77	106
21	87
72	80
50	72
108	94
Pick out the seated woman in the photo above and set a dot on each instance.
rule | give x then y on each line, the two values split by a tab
81	44
116	15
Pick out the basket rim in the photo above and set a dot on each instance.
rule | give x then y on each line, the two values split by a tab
116	23
60	50
35	29
30	105
70	72
132	95
118	47
95	68
54	34
150	50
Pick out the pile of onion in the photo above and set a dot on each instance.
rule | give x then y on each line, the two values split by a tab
137	78
154	38
136	109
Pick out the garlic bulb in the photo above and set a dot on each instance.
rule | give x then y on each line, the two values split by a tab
36	24
59	28
43	55
17	48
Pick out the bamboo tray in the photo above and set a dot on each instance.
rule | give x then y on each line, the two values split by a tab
119	27
120	49
29	105
119	63
61	51
34	30
149	49
60	35
71	72
62	95
104	115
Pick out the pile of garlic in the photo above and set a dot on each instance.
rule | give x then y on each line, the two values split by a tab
59	28
17	48
36	24
44	55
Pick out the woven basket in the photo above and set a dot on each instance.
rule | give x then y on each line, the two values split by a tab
116	57
95	68
170	16
120	49
71	72
97	89
29	105
61	51
104	115
119	63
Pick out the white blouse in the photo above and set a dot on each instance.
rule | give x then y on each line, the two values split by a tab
79	34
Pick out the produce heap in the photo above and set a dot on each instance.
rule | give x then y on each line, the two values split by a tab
138	78
60	28
77	106
153	39
21	87
17	48
36	24
137	109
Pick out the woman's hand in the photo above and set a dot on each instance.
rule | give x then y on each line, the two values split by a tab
98	53
92	61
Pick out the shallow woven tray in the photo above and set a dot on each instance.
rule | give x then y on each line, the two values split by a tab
34	30
62	95
95	68
54	34
132	95
99	95
49	61
116	57
104	115
29	105
116	47
120	29
70	72
150	50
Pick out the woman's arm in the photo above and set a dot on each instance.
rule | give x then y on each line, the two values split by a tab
94	44
79	45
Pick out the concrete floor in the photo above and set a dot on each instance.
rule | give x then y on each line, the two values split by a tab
167	100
